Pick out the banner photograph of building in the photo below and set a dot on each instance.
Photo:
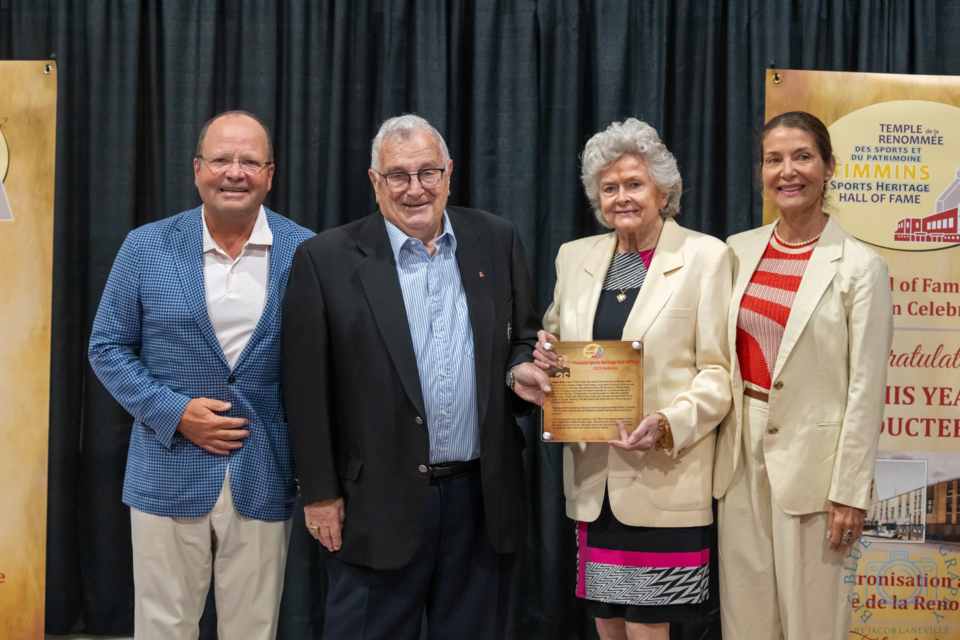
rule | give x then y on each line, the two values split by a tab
899	488
941	515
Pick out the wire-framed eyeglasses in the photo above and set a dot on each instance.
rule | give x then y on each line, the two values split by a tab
247	165
429	178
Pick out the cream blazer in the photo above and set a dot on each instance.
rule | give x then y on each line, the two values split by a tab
681	317
829	381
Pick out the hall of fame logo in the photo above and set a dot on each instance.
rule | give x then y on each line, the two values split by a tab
896	183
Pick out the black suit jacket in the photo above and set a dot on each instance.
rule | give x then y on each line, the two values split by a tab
354	402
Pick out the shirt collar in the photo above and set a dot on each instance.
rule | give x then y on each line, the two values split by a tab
399	240
261	234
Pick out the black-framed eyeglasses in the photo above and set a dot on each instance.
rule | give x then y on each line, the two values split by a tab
429	178
247	165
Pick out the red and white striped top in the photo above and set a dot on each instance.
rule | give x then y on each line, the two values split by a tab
765	308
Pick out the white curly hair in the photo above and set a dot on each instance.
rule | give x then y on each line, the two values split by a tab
635	138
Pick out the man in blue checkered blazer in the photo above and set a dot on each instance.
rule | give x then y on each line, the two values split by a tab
187	339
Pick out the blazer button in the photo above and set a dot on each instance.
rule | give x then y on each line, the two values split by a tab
419	421
778	385
423	467
773	430
231	379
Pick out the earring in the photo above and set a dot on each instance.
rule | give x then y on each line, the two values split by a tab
763	195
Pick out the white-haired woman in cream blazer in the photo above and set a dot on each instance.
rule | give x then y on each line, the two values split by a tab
643	503
811	319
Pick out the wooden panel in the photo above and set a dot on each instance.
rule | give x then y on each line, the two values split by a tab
28	117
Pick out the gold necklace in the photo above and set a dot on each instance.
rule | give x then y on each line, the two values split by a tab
616	274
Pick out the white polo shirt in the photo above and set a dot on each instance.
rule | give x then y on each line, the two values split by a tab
236	290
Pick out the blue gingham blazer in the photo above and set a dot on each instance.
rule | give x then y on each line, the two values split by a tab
154	349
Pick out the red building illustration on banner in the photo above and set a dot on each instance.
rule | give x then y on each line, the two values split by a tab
942	226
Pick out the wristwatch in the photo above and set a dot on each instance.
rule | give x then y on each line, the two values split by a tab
510	378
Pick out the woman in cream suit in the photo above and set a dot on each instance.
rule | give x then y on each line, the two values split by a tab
811	318
643	503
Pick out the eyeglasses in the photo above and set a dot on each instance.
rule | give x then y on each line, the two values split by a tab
429	178
247	165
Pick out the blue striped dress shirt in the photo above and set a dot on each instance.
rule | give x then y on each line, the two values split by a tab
442	341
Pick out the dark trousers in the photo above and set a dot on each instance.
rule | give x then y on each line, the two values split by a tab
455	575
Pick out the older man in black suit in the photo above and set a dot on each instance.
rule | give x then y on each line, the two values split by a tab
408	339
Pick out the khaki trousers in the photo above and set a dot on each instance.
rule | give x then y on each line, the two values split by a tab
779	579
172	562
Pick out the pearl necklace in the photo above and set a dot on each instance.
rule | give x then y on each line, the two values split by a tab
795	245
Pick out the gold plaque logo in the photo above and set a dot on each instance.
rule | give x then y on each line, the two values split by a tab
4	157
594	351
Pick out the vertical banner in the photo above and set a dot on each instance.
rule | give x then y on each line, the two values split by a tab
28	117
896	187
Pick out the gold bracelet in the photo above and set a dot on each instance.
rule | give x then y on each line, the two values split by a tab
665	441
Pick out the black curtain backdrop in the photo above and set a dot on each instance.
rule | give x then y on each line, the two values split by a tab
516	88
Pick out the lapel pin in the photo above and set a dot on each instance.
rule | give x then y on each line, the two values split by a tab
481	274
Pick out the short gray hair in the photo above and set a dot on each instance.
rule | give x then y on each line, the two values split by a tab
638	139
400	128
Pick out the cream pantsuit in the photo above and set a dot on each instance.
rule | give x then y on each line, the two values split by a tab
770	557
172	561
780	465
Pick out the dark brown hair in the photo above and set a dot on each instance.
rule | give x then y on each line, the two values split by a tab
805	122
809	124
235	112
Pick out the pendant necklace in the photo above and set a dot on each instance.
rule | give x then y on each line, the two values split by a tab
616	274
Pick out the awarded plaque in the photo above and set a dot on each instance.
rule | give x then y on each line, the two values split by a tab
594	385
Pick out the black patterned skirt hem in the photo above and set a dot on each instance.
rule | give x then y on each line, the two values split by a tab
643	574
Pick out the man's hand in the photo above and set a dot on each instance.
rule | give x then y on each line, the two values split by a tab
530	383
207	430
844	519
325	520
643	438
